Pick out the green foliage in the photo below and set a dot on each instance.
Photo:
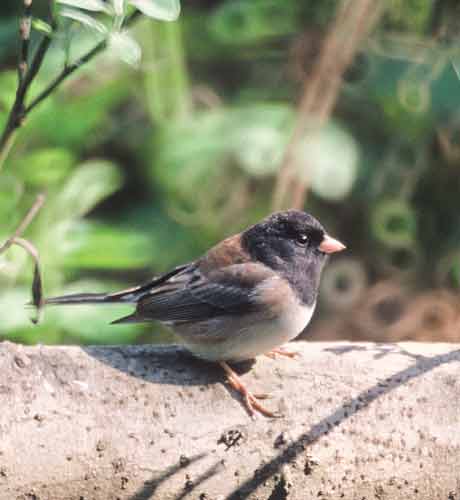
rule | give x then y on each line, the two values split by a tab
78	124
101	246
106	20
167	90
8	86
248	21
44	168
410	15
146	167
88	185
163	10
253	138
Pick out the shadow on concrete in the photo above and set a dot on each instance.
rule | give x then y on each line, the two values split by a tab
421	366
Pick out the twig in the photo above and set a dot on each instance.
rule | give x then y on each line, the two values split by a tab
69	69
26	77
20	110
37	205
24	33
17	113
15	239
352	23
37	282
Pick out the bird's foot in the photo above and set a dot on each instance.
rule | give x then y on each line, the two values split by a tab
282	351
250	399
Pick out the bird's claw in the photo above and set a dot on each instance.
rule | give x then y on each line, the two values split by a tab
250	400
283	352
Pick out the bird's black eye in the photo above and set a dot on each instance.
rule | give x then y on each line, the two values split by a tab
301	239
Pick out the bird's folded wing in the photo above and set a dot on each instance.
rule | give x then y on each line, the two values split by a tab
193	295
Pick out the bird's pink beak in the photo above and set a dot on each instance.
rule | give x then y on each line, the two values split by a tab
331	245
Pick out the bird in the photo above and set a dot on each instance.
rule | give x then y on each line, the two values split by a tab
246	296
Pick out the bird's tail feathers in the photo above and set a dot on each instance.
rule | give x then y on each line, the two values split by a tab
132	318
125	296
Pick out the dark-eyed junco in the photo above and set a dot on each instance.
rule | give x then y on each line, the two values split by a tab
246	296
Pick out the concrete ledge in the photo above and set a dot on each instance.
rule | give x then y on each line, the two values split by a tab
147	422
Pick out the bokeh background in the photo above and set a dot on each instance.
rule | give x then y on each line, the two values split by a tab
238	108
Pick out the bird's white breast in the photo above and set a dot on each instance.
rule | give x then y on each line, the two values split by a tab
295	319
244	337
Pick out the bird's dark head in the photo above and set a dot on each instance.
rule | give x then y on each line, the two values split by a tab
294	244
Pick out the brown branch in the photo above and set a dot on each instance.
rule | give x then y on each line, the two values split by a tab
20	110
37	282
37	205
353	22
17	113
15	239
24	33
69	69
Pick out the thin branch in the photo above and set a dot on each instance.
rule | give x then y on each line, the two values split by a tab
352	23
37	205
17	113
37	282
25	78
24	33
69	69
20	110
15	239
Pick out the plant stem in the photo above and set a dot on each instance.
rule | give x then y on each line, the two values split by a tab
68	70
37	205
353	21
17	113
24	32
167	91
15	239
20	110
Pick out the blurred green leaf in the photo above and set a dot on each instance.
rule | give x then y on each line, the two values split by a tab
316	161
104	246
11	190
45	167
260	136
248	21
78	123
8	33
409	14
123	46
172	242
90	183
210	137
87	324
91	323
41	26
119	7
260	150
93	5
13	302
163	10
167	87
84	19
8	84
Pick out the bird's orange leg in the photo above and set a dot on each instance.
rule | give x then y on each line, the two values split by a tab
250	399
282	351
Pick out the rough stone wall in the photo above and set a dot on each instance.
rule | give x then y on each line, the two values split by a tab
359	421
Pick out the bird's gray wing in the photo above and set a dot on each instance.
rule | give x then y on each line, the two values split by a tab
194	295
